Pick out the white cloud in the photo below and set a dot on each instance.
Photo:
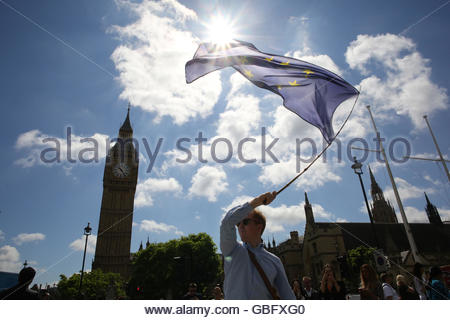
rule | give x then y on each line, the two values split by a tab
406	87
277	218
209	182
407	190
316	176
321	60
238	84
78	244
413	215
153	226
240	117
145	190
282	217
381	48
56	149
9	259
236	202
151	62
240	120
445	214
28	237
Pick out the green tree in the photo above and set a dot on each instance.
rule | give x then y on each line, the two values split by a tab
96	285
359	256
164	270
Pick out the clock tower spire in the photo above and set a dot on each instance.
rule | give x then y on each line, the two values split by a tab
112	252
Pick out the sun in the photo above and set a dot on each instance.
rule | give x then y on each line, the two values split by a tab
220	30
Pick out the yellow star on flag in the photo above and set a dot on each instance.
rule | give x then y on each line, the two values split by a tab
294	83
269	59
248	73
285	63
308	72
243	60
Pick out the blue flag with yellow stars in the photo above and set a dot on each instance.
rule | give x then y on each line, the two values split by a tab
312	92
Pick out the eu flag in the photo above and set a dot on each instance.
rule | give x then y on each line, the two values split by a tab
312	92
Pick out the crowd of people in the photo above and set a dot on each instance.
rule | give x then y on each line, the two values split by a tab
424	286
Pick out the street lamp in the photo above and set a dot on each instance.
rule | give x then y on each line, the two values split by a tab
357	167
87	232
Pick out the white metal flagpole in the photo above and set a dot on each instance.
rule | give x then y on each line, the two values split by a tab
409	234
437	148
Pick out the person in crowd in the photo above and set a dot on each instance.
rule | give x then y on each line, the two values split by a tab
192	293
371	288
251	272
20	291
330	288
309	293
438	290
404	290
217	293
297	289
419	281
389	292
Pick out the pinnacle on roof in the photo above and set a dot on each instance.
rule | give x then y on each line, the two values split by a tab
428	200
306	199
126	126
375	188
372	178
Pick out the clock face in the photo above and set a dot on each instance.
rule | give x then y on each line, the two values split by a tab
121	170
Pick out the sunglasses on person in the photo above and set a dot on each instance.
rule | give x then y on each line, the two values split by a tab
246	221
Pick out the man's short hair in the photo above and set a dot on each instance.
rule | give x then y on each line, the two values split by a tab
192	285
260	218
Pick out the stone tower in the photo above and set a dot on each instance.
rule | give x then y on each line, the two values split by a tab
382	210
432	212
308	211
112	252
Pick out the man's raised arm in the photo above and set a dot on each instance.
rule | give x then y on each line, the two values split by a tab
228	239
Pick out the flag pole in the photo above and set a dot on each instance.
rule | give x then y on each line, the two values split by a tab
437	148
324	149
409	235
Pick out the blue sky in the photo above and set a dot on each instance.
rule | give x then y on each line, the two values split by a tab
77	65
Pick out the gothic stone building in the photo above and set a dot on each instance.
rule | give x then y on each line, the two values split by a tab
112	252
290	254
324	242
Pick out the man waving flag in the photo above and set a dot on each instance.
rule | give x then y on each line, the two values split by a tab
312	92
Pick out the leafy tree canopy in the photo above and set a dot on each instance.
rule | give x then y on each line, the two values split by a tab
96	285
359	256
164	270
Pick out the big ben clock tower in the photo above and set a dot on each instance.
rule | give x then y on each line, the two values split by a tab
112	252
